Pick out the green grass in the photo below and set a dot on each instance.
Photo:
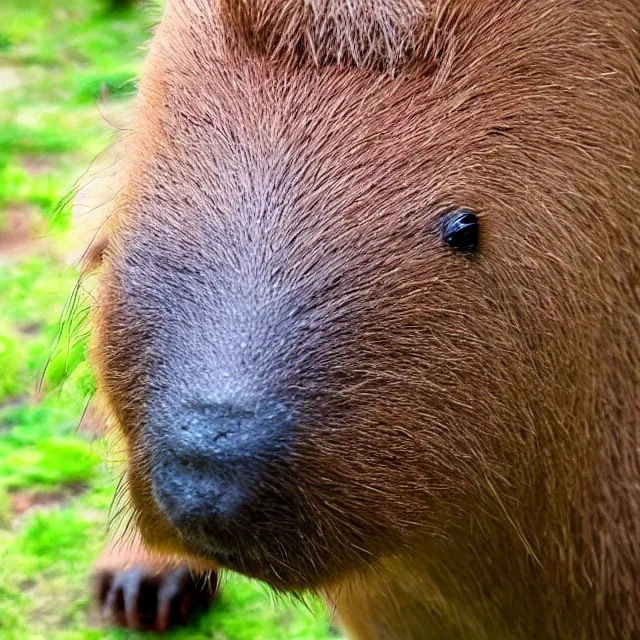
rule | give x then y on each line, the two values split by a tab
57	61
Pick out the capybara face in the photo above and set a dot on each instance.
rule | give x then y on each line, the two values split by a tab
343	290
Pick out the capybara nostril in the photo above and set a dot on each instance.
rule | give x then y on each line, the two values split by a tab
204	433
193	496
219	453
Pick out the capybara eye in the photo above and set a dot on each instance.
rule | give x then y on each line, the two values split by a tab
460	230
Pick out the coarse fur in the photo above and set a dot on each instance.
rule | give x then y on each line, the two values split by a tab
464	460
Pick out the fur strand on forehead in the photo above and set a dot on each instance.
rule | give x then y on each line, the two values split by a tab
380	34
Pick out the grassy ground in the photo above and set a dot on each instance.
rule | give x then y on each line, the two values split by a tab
57	60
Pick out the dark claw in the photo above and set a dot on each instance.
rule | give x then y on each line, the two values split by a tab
140	599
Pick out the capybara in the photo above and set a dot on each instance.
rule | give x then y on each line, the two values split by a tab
368	315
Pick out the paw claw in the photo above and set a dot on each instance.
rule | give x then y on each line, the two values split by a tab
139	598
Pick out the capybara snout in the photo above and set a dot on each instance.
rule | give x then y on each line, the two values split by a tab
367	313
209	462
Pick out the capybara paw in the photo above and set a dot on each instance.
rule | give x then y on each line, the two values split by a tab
141	598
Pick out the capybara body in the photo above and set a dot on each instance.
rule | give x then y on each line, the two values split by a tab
368	312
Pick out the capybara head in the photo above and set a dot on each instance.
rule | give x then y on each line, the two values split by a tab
368	278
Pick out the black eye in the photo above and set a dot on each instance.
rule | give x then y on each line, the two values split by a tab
460	230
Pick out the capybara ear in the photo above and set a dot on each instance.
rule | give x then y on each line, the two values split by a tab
94	201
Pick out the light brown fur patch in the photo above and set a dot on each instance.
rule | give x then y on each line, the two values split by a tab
362	33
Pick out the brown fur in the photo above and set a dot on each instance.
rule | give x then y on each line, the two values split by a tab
467	454
361	33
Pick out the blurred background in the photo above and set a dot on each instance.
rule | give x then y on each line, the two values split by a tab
67	78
